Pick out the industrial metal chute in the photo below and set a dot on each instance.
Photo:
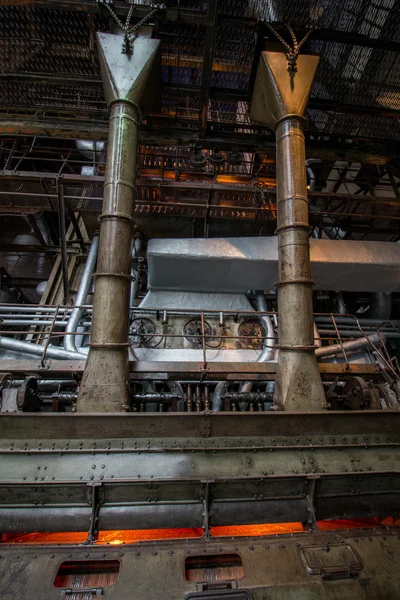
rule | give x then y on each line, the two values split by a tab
280	97
131	84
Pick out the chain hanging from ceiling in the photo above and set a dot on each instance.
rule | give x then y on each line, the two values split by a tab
291	52
127	45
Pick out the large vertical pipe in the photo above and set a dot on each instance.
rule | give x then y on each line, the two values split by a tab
279	100
126	79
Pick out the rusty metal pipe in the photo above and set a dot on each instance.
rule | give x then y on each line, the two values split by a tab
279	100
108	355
126	80
298	382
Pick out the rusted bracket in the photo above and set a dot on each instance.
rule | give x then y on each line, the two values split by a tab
206	511
310	503
94	498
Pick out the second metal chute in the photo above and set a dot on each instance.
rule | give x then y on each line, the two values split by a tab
279	101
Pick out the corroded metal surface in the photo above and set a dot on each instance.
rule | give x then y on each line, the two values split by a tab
157	471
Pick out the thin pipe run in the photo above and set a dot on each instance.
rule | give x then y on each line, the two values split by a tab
63	241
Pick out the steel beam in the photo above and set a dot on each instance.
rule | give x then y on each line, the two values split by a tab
222	136
209	42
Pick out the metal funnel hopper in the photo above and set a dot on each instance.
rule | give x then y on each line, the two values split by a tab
131	84
133	77
278	92
279	100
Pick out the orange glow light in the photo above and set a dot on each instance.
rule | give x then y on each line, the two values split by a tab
119	537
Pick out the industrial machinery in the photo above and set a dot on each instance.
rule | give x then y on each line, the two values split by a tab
198	411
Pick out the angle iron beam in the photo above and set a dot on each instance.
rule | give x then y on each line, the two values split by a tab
209	42
81	426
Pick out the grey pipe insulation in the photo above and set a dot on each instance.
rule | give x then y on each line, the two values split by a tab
84	287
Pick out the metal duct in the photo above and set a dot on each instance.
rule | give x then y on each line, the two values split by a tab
130	84
381	306
279	100
350	347
235	265
137	246
84	287
52	352
268	351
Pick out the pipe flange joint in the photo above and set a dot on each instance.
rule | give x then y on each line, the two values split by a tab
131	103
304	281
296	225
120	182
116	217
121	275
296	347
110	345
290	117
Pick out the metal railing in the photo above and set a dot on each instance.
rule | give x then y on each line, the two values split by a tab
339	335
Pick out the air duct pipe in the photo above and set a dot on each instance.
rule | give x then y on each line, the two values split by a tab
137	246
381	306
351	347
84	287
131	83
279	100
268	351
52	352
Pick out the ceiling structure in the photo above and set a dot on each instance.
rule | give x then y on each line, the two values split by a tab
201	158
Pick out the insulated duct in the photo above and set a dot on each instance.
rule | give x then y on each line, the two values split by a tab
80	300
131	83
279	101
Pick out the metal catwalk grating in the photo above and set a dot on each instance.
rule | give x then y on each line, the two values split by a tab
182	47
368	18
48	60
48	41
234	49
